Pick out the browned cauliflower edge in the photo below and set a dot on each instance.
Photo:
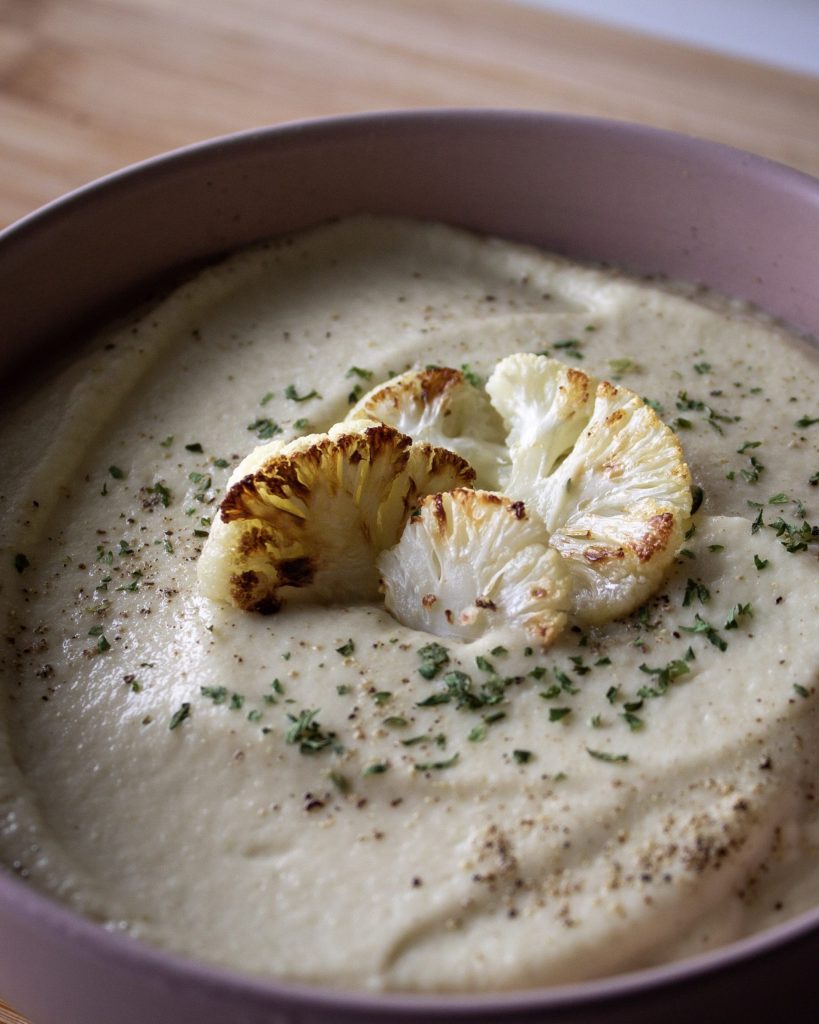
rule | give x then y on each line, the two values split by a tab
308	522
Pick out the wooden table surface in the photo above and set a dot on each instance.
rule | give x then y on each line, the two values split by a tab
87	86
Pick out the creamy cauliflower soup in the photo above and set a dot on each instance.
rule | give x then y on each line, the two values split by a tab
323	793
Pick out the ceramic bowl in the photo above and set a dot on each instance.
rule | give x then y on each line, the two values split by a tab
643	199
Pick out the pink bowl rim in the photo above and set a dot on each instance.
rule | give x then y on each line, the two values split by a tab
143	960
158	965
716	153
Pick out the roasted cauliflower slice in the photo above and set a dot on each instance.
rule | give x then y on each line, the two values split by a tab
614	495
440	406
618	506
545	405
469	562
304	521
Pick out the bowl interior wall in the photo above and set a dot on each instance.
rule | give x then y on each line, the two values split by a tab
642	199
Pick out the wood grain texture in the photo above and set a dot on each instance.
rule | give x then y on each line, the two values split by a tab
9	1016
87	86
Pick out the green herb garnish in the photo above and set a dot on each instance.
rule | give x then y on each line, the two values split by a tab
752	475
179	716
604	755
436	766
218	694
739	611
433	658
413	741
579	667
665	675
713	418
571	346
309	735
794	538
460	688
566	683
708	631
162	492
291	393
696	589
433	700
265	428
341	782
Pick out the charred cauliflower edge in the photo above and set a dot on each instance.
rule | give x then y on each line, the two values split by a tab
309	519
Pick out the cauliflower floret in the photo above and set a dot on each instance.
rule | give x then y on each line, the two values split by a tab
440	406
471	561
545	405
609	482
305	520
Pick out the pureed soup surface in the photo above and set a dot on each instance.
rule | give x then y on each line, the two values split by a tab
613	811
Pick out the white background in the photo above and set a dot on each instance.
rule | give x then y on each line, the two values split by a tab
779	32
